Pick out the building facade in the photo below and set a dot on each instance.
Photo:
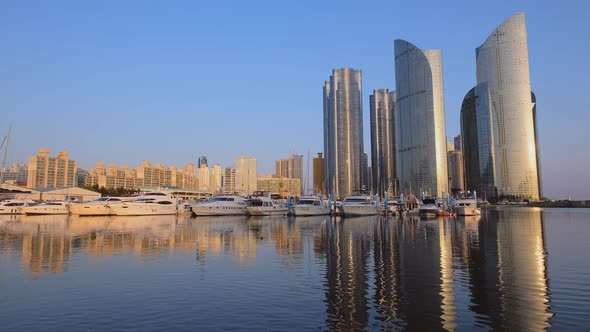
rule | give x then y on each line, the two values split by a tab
17	174
204	177
280	186
46	172
290	168
420	120
343	132
215	185
498	117
246	175
383	160
229	180
456	176
318	174
141	176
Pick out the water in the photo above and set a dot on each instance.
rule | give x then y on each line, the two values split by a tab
510	269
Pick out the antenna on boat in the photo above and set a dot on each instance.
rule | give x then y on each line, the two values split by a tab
7	140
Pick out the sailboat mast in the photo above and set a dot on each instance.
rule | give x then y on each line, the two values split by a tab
5	153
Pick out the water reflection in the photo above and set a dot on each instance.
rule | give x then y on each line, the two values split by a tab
374	273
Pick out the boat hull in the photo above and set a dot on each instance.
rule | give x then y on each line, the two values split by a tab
44	211
310	211
143	209
91	210
266	211
218	210
467	211
358	210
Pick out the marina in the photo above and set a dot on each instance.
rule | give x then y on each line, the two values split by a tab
509	268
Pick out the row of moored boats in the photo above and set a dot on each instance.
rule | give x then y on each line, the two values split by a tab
261	203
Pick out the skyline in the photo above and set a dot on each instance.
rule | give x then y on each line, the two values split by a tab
124	86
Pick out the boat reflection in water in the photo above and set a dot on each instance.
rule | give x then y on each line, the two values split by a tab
358	273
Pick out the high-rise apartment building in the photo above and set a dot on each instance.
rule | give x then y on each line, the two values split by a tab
318	174
343	132
144	175
47	172
215	179
455	166
498	117
246	175
280	186
204	177
382	103
420	120
458	143
229	180
290	168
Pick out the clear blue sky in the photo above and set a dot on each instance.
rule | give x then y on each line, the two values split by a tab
166	81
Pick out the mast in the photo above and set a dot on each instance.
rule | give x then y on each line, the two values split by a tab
7	139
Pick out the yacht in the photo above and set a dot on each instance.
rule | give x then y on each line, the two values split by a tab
358	204
261	204
150	203
98	207
310	206
229	205
14	206
56	207
430	207
466	205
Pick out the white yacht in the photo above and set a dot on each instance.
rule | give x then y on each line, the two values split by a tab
98	207
228	205
359	204
14	206
261	204
56	207
150	203
430	207
466	205
310	206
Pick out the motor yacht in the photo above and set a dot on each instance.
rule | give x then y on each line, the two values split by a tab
310	206
228	205
150	203
56	207
261	204
430	207
14	206
98	207
466	205
358	204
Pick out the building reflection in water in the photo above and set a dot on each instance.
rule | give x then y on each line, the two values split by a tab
390	274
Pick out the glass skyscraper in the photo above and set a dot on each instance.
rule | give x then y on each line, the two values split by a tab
498	117
343	132
382	103
420	120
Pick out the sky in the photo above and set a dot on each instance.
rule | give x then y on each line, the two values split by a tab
167	81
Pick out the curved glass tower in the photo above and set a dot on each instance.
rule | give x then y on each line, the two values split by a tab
420	120
343	132
503	65
382	103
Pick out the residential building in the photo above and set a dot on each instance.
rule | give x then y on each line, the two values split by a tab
456	176
17	174
246	175
290	168
215	185
383	154
47	172
343	132
202	161
229	180
420	120
204	177
498	118
318	174
280	186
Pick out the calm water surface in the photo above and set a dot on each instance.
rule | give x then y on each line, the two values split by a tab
511	268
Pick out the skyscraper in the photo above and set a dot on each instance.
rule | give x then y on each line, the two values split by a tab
202	161
204	177
246	174
382	103
343	132
229	180
215	179
498	117
420	120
